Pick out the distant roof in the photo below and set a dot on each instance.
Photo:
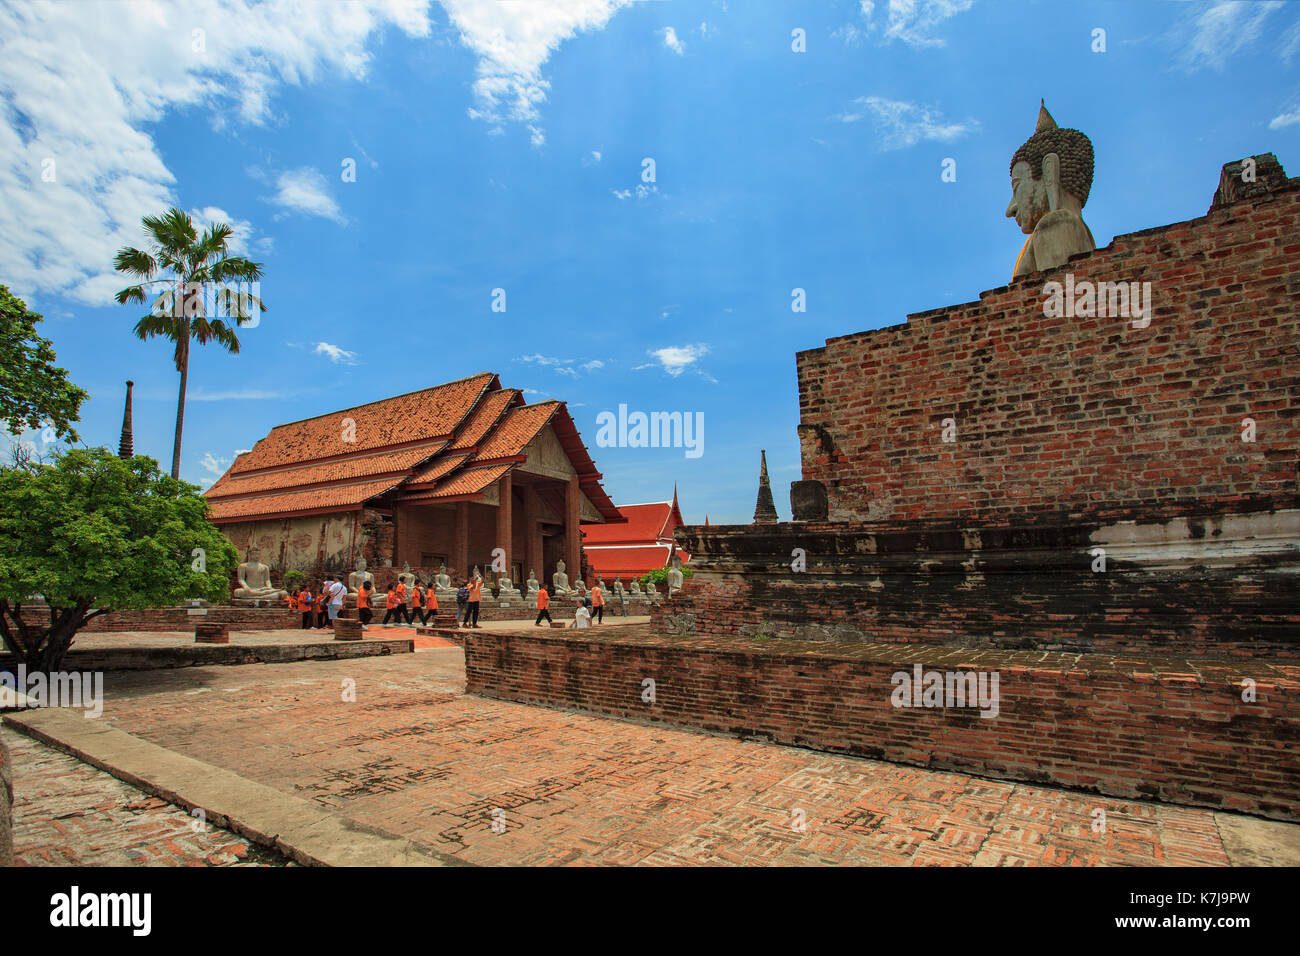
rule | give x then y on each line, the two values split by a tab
447	442
646	524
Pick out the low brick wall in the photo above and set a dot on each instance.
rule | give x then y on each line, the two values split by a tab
176	619
6	808
1179	732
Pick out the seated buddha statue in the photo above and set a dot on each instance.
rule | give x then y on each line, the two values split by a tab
255	580
1051	176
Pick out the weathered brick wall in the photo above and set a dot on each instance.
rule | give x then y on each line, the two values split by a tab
1214	588
1075	415
176	619
1180	733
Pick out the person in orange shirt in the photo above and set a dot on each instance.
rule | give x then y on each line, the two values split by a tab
430	603
543	605
390	605
304	606
400	607
417	602
598	604
322	610
475	586
363	604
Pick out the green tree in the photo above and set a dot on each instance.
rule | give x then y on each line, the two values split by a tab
177	265
93	533
660	576
33	390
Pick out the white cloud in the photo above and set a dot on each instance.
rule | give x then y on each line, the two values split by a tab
566	366
903	124
909	21
675	359
544	359
705	29
595	156
338	356
305	190
566	370
214	465
1285	119
592	365
641	191
513	41
671	41
1220	31
76	88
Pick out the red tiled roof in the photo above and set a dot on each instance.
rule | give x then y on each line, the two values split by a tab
448	441
485	416
625	560
381	463
646	524
516	430
347	497
416	416
469	481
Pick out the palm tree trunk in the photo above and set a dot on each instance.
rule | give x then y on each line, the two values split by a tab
183	350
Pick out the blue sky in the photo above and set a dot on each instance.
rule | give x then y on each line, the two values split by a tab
501	145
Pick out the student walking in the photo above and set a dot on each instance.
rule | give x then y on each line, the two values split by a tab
390	606
598	604
417	603
334	590
581	617
430	603
363	605
401	602
321	598
543	607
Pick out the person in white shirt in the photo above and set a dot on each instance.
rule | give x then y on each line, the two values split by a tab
581	617
335	590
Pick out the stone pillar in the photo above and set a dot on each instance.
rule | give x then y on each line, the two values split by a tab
505	521
572	531
460	549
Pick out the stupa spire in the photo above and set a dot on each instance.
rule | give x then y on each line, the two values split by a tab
765	509
126	445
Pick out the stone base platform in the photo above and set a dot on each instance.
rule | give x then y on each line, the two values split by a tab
179	618
1171	730
153	650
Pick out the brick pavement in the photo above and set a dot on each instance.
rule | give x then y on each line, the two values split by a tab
67	813
416	756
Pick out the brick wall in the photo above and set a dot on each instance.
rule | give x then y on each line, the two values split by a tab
1077	416
1214	587
176	619
1180	733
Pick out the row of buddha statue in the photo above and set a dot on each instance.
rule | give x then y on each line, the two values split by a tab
255	583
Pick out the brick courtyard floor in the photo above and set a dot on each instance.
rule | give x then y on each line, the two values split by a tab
418	757
67	813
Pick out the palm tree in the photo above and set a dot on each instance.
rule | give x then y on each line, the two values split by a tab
182	261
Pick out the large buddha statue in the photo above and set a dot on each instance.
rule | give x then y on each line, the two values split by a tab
255	580
1051	176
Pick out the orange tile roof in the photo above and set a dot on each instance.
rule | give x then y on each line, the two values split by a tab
434	470
485	416
335	498
517	428
344	469
416	416
646	524
433	442
469	481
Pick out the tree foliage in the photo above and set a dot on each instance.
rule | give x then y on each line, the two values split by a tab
94	533
33	390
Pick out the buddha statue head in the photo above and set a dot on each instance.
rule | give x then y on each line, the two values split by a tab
1051	177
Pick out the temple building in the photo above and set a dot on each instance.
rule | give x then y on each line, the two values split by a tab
443	475
642	544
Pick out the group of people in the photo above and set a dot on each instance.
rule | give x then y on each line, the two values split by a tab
320	609
592	606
